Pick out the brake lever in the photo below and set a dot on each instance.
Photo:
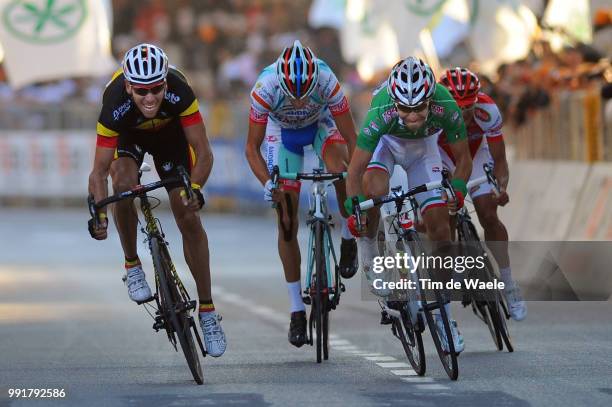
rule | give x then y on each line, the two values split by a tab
275	175
184	177
491	179
93	211
357	211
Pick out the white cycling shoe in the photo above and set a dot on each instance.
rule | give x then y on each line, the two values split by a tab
214	337
516	305
457	337
138	288
367	249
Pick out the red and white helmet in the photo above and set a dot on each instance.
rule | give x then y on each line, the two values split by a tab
145	64
411	82
463	84
297	71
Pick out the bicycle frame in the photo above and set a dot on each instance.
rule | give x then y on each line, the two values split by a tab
318	214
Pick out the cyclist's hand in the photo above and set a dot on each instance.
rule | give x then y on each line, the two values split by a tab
352	225
268	190
502	198
100	232
196	202
454	204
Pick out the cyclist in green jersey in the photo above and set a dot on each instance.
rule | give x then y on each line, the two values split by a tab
406	116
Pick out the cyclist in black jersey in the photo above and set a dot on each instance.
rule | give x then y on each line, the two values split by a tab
148	107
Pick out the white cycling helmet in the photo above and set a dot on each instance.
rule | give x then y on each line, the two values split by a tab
297	71
145	64
411	82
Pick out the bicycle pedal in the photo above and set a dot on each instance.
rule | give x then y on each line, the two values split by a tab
306	300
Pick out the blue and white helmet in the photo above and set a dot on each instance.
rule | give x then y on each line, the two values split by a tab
145	64
411	82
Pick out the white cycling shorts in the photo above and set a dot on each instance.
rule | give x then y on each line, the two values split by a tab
418	157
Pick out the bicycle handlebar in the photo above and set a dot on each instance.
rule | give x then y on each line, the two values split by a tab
139	190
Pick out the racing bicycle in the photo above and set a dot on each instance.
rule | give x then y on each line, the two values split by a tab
173	305
323	284
406	310
490	306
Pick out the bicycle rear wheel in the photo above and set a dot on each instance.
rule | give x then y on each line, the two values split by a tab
173	308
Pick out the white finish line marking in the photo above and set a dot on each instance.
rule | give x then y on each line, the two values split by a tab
380	358
407	372
401	369
394	365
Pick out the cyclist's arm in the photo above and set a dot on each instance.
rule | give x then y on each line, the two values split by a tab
497	147
346	127
463	159
357	167
197	139
255	137
98	184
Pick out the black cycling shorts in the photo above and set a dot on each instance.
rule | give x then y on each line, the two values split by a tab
168	146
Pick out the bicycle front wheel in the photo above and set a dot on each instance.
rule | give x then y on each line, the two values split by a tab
320	306
173	308
448	357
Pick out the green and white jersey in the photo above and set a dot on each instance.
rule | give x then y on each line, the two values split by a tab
382	119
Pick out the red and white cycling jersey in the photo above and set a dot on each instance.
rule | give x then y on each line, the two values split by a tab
487	123
268	100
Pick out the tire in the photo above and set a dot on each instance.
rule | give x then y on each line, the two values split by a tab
180	320
448	359
496	320
321	298
403	329
412	342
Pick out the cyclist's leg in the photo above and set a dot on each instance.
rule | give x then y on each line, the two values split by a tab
376	180
449	165
423	164
288	154
124	175
169	151
332	149
496	234
375	184
486	209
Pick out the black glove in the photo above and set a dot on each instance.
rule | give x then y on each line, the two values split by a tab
91	226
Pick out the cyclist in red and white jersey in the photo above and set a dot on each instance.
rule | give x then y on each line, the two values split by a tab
486	140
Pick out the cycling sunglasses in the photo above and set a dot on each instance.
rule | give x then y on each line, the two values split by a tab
413	109
145	90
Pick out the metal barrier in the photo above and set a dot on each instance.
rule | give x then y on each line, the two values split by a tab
572	128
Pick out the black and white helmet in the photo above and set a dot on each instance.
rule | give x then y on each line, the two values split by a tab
145	64
411	82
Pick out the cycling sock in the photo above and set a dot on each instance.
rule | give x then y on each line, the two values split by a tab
131	262
295	296
506	275
346	233
206	306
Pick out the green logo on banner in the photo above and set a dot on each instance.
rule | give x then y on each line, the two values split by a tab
423	8
44	21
